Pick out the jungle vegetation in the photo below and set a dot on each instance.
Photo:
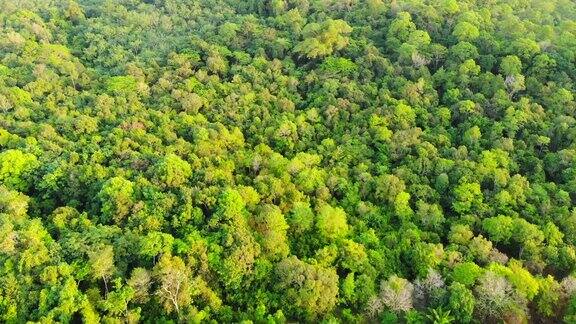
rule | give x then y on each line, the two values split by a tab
274	161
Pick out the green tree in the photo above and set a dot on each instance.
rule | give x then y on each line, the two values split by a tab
116	198
16	168
323	39
461	302
301	217
102	264
388	187
272	227
122	84
467	197
466	273
465	32
331	222
172	171
13	203
311	290
511	65
440	316
549	296
499	228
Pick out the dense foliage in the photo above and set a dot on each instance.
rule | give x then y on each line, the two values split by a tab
288	160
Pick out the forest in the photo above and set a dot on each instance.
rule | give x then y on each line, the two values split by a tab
288	161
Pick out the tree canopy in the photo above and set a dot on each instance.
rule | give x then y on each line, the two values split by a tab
281	161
